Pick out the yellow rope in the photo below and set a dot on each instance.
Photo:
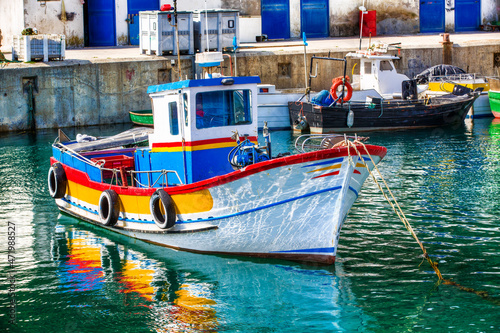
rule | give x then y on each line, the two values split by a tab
394	203
405	221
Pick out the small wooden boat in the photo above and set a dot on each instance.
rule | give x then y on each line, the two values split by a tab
381	108
494	96
199	186
142	117
441	79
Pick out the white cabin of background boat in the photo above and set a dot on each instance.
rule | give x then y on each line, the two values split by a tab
377	71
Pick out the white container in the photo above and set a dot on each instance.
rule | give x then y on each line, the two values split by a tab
157	32
223	26
38	47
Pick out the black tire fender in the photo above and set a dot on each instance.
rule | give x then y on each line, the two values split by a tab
163	209
109	208
57	181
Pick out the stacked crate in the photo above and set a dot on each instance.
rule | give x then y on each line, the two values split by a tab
38	47
215	29
157	32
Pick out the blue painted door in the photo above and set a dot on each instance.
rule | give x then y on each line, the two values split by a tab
432	16
133	9
314	18
467	15
101	22
275	16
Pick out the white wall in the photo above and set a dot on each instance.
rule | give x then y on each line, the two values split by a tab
294	18
11	22
45	16
121	24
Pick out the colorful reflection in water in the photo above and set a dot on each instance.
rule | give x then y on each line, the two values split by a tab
90	263
70	277
83	268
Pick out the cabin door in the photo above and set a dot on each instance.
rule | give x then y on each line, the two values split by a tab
432	16
100	27
133	9
275	16
467	15
314	18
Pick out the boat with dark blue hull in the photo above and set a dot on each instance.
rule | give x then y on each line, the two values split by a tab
382	114
387	100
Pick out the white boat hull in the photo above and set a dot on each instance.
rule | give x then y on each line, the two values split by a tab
287	208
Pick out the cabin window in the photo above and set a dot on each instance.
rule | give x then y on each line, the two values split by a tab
173	118
385	65
223	108
368	67
185	105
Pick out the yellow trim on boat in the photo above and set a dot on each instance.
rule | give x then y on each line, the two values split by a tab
186	203
335	166
196	148
448	87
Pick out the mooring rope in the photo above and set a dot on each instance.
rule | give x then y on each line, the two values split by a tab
394	203
397	208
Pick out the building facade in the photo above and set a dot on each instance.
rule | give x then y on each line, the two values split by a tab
114	22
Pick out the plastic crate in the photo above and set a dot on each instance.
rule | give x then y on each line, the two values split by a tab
38	47
157	32
119	162
116	161
219	26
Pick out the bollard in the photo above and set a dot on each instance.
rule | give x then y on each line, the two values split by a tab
447	49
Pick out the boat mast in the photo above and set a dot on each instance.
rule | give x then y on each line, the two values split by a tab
177	40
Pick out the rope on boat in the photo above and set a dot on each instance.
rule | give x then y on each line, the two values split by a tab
395	206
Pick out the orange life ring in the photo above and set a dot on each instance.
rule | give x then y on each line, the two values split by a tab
336	83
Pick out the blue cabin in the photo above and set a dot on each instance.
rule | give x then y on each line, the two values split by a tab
194	122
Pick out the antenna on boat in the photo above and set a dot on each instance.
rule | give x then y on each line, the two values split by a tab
305	64
235	47
206	26
177	40
363	12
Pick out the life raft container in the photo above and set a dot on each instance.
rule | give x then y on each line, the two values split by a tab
163	210
109	208
57	181
336	83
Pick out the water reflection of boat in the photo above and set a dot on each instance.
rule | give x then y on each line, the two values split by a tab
192	292
91	263
494	128
201	186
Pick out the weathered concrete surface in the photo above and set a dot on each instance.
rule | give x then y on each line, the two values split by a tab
81	94
101	85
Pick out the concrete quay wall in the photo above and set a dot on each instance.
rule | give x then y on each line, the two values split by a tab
81	94
70	93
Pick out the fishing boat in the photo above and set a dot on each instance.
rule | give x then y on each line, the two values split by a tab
201	186
385	100
272	109
142	117
441	79
494	96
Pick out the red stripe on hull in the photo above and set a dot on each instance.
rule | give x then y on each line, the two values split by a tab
198	143
82	178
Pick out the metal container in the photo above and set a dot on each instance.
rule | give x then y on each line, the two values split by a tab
157	32
219	26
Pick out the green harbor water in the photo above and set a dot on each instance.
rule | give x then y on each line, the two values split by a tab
58	274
